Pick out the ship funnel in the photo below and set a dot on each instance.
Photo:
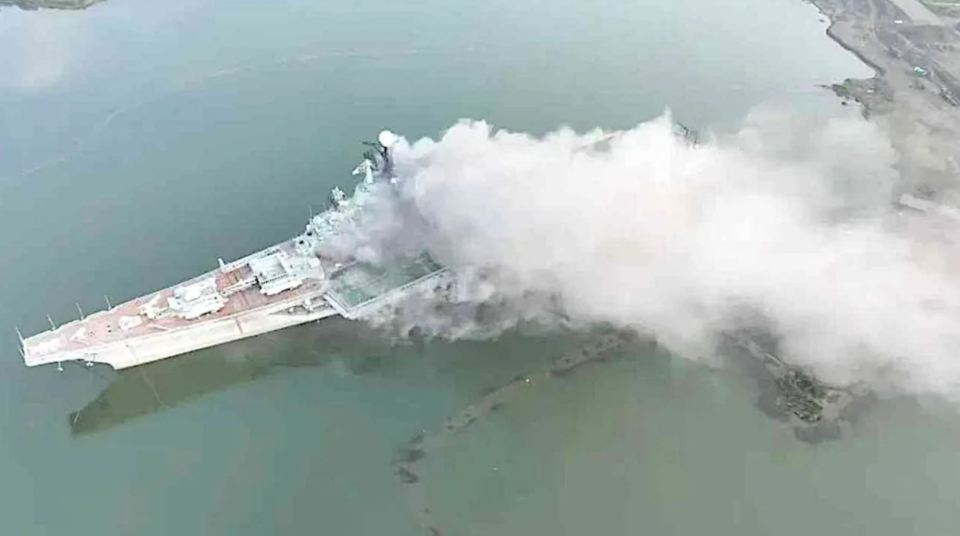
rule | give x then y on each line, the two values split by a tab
387	138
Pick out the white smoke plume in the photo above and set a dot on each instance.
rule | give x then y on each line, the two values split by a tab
789	218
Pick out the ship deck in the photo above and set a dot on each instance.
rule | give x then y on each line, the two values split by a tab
104	327
125	336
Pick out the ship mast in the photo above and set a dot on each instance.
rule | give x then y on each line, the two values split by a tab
378	160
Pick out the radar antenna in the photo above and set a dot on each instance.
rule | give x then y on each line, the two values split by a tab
379	157
688	133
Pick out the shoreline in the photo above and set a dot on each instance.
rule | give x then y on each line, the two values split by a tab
914	95
878	71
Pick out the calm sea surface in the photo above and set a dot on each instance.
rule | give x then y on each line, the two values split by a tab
139	141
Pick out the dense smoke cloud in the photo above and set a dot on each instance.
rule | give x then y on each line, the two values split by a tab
788	218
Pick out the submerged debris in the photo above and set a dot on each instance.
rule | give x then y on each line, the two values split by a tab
407	476
802	395
408	455
815	410
606	344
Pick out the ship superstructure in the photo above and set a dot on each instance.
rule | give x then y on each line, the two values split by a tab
281	286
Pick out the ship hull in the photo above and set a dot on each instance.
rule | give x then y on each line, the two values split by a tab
205	333
353	291
138	351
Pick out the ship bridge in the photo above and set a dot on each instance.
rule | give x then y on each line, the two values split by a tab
277	271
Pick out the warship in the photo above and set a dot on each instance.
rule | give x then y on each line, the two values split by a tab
287	284
284	285
33	5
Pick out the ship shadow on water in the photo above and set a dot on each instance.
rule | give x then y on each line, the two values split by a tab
140	391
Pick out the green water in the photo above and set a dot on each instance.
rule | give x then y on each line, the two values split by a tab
139	141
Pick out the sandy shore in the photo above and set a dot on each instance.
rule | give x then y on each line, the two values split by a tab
915	93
